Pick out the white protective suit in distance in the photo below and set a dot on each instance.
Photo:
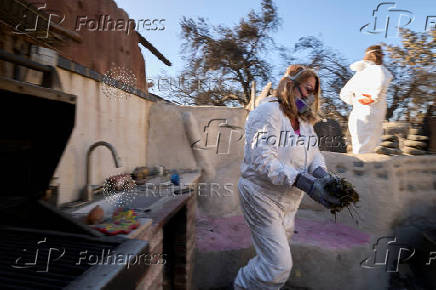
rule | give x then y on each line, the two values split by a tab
366	91
268	198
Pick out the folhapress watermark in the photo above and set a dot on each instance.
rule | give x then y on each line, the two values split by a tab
32	25
219	135
107	257
430	23
45	255
288	139
388	253
388	20
35	25
107	23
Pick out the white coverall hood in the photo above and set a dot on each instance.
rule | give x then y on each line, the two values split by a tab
360	65
366	91
269	201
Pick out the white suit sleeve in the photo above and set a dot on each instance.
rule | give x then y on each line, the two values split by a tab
318	158
347	92
265	127
318	161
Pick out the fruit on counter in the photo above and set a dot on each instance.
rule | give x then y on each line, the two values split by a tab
143	172
95	216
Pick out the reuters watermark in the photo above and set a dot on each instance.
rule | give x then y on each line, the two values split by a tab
211	189
170	84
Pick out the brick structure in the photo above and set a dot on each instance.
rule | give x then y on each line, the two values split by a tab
153	279
175	237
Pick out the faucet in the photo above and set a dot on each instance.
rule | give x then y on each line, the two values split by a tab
87	193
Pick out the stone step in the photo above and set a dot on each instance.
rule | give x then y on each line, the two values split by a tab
415	144
417	137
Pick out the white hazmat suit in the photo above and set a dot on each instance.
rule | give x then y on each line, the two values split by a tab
366	91
273	157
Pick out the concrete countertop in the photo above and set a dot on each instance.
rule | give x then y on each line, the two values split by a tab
168	205
154	203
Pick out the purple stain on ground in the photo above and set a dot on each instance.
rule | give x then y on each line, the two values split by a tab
222	234
232	233
328	234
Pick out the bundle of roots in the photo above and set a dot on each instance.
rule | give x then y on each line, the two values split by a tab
344	191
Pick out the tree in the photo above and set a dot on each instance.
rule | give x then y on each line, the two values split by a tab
333	71
222	62
413	66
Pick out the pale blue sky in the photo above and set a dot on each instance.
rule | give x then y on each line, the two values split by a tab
336	22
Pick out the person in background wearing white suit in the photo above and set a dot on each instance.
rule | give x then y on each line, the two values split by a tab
275	172
366	91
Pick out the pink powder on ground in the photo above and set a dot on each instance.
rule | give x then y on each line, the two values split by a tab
222	234
328	234
232	233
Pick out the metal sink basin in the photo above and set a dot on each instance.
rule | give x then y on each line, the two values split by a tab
143	198
139	199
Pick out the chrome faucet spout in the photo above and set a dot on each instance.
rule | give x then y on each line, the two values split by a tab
87	191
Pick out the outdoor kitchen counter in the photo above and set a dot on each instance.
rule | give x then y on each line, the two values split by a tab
166	206
154	202
167	224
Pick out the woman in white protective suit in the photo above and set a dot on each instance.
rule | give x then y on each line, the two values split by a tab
281	160
366	91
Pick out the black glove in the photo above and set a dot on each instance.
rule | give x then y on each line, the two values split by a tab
320	172
314	187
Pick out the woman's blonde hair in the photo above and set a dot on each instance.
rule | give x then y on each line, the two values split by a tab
374	53
295	75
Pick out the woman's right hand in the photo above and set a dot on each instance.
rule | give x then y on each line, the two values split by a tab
315	188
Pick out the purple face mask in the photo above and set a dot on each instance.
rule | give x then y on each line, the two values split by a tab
304	105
